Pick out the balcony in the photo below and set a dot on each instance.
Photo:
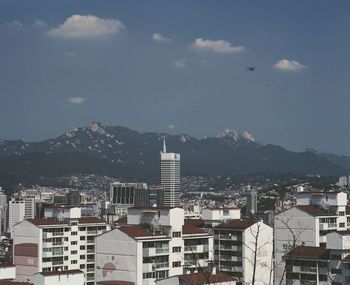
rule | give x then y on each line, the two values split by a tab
90	260
308	269
54	234
162	250
90	269
92	232
57	243
147	267
47	254
160	265
90	250
150	251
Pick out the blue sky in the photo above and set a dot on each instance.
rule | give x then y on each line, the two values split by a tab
178	67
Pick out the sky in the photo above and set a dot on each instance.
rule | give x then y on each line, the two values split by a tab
278	69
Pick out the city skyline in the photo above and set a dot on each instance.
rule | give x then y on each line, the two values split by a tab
200	67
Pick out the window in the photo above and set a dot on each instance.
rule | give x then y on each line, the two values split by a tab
176	234
74	252
341	213
176	249
73	261
73	242
82	266
336	257
342	225
177	264
82	238
82	247
82	256
336	271
74	233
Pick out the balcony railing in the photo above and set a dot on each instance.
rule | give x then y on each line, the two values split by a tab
308	269
162	250
162	265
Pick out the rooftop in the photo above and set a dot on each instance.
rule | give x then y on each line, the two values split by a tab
308	252
139	231
52	221
202	278
190	229
63	272
314	211
114	282
239	224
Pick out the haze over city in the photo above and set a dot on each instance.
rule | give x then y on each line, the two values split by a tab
277	69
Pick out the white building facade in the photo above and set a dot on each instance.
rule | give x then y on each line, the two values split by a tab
170	177
315	215
155	243
57	244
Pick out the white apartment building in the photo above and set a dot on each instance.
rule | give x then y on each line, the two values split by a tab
315	215
64	242
170	177
328	265
155	243
16	212
240	244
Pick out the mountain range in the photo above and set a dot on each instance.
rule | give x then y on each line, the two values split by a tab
121	152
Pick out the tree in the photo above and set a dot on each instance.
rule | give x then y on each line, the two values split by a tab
295	233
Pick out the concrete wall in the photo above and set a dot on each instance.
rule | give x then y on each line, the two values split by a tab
7	273
116	257
27	257
62	279
263	234
304	227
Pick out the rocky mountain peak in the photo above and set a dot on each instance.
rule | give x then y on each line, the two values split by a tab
228	134
248	136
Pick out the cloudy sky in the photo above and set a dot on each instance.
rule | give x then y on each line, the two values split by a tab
279	69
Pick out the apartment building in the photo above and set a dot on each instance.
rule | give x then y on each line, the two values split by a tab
155	243
315	215
242	245
328	265
59	243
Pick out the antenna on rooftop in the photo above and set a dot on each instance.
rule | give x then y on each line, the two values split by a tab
164	145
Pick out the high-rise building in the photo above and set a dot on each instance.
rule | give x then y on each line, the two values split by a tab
29	205
252	201
16	212
3	212
151	196
122	195
73	197
170	177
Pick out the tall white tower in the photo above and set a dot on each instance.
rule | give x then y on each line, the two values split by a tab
170	177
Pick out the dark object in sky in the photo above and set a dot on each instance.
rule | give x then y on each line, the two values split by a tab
251	68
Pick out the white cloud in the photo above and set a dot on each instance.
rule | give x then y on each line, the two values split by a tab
288	65
159	38
39	23
181	63
15	23
171	126
77	100
219	46
78	26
